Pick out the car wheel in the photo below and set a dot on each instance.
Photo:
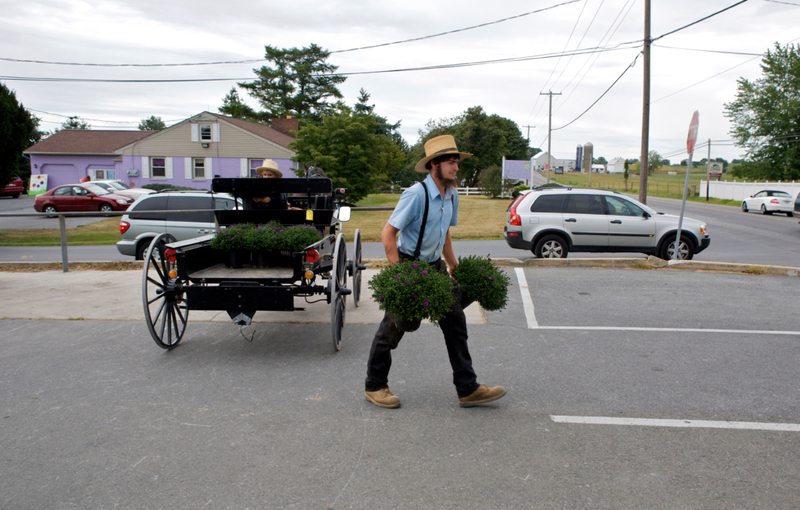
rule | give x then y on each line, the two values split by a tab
685	249
789	214
106	208
764	210
141	250
744	206
15	195
551	247
49	209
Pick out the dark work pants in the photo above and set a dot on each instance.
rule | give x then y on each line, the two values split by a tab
454	328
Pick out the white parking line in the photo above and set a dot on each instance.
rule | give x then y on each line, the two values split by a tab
677	330
527	302
702	424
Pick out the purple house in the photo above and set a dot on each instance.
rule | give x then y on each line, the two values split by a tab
189	153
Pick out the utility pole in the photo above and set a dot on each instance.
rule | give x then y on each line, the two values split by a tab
549	128
529	134
643	161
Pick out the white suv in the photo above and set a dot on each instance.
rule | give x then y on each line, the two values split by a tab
138	230
551	222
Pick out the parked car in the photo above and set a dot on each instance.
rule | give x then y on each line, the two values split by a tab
120	188
797	205
551	222
80	197
14	188
139	230
769	201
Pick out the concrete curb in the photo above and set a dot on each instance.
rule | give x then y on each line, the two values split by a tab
650	263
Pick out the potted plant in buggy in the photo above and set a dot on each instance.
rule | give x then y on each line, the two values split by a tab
482	281
231	240
412	291
263	241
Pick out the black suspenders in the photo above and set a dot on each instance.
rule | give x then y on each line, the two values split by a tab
425	220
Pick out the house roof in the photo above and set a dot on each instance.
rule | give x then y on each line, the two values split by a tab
261	130
86	141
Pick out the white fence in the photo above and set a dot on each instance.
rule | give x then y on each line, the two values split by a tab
464	191
733	190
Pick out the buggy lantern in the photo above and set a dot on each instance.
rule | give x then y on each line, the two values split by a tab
312	256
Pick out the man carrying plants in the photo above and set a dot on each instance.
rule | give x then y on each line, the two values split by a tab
422	218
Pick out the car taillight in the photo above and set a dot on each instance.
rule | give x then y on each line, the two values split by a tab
312	256
123	227
773	201
513	217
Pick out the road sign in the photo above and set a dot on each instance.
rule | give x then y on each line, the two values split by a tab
714	170
692	132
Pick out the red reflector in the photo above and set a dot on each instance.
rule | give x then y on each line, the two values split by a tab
773	201
123	227
312	256
516	234
171	255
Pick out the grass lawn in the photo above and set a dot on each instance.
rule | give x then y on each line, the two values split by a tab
101	232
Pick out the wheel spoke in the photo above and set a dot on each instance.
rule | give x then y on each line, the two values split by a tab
159	296
158	314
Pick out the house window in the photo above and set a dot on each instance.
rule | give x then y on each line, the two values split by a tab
254	163
104	174
205	132
158	167
198	168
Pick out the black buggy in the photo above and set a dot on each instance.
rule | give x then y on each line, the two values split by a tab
190	275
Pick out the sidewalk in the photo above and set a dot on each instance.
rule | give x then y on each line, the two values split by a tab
117	295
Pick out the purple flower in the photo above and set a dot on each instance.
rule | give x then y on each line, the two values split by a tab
490	277
380	298
396	277
424	273
425	303
406	282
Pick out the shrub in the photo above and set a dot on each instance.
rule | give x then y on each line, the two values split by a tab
268	237
413	290
483	282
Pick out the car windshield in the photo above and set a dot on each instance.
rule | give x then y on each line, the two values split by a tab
119	185
97	190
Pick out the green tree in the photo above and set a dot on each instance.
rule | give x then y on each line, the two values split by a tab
491	182
654	161
152	124
17	129
600	161
766	118
298	82
625	174
75	122
487	137
232	105
350	151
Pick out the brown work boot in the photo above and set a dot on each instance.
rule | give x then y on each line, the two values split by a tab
383	398
482	395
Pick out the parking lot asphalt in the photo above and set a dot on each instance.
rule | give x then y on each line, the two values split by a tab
626	389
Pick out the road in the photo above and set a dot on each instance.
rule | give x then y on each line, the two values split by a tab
735	237
626	390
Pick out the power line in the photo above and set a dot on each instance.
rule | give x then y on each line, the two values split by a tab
698	21
457	30
709	51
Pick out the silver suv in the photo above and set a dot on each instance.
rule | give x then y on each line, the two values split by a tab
138	230
551	222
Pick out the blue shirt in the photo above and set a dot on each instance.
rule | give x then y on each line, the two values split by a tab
407	217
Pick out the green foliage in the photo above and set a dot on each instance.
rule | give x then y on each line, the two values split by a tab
152	124
766	118
297	82
270	237
481	281
413	290
492	184
232	105
18	128
75	122
654	162
349	147
518	189
487	137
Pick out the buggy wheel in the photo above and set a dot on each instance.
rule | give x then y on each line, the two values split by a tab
338	290
355	267
165	309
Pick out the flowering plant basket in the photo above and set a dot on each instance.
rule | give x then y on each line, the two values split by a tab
482	281
413	290
266	237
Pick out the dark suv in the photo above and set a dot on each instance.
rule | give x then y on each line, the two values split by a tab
138	230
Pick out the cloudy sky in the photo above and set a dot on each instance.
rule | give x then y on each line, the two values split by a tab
695	68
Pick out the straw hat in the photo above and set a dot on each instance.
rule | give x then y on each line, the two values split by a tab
439	146
269	166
